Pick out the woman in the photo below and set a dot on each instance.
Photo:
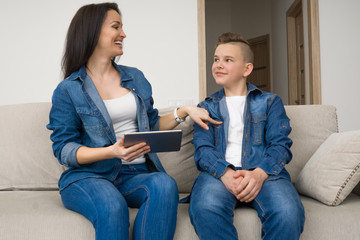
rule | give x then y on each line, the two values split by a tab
93	108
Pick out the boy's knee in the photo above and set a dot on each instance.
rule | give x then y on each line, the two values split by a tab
205	204
291	216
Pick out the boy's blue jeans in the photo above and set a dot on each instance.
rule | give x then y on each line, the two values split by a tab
278	206
106	203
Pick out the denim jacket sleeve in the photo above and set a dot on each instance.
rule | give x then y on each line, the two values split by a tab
65	124
277	150
207	157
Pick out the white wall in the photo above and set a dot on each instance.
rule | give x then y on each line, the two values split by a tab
161	41
340	52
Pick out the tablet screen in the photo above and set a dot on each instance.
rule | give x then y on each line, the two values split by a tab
159	141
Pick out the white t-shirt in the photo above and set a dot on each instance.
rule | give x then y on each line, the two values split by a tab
235	107
122	112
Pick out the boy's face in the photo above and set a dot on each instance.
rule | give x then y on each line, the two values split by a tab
228	67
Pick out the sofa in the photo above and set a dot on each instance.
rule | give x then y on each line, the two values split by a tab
31	207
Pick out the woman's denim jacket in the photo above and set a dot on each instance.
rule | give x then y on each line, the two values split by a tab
78	117
266	144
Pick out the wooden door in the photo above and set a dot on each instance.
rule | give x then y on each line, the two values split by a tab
260	75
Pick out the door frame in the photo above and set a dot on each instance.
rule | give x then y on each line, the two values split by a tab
314	50
291	30
201	49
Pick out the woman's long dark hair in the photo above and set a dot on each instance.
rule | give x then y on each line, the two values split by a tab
83	35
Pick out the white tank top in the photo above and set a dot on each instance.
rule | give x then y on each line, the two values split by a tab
122	112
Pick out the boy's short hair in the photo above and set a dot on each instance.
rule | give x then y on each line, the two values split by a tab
229	37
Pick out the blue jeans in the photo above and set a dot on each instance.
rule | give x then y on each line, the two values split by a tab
106	203
278	206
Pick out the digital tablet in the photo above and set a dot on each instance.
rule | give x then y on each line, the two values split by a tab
159	141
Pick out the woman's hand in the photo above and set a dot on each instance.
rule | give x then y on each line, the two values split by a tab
200	116
86	155
130	153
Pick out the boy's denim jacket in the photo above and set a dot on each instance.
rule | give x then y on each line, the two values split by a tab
78	117
266	144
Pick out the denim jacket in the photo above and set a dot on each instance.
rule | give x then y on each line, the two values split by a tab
78	117
266	144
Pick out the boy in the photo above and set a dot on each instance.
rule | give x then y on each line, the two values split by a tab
242	160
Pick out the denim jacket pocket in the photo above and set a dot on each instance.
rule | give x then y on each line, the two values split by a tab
91	122
217	134
258	121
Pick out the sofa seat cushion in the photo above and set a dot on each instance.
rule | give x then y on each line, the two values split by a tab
41	215
328	222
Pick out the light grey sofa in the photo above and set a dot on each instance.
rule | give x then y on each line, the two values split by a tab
31	208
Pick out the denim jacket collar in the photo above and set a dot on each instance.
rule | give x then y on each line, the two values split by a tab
216	97
82	75
94	98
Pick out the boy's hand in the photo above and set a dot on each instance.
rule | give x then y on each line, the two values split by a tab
230	182
250	185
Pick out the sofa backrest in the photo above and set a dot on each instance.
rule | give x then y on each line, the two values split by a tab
311	125
26	157
27	161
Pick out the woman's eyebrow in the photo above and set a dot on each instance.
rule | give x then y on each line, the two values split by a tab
115	22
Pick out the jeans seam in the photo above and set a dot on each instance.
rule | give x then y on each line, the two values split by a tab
263	213
92	202
146	207
262	209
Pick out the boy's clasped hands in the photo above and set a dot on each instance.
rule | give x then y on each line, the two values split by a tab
244	185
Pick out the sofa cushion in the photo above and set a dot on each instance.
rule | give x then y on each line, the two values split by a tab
27	161
180	165
327	222
41	215
311	126
334	169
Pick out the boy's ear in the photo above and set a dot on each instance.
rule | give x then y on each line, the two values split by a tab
248	69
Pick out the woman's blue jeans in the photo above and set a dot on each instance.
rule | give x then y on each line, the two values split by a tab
278	206
106	203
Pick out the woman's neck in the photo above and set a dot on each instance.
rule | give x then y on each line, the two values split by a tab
97	67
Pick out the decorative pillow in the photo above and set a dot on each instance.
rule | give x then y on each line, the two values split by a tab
334	170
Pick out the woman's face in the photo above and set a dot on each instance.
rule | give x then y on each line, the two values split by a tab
111	37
